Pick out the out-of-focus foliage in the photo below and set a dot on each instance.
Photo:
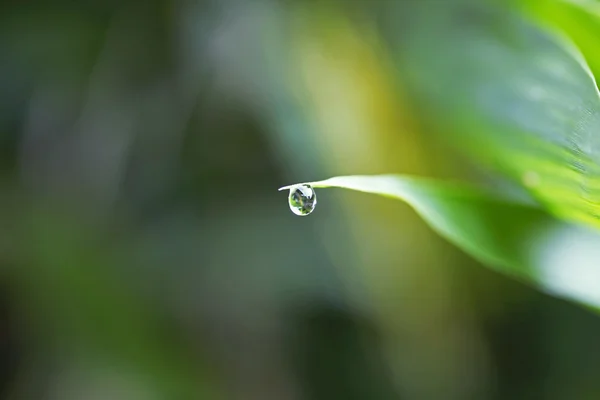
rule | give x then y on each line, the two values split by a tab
577	20
144	253
511	94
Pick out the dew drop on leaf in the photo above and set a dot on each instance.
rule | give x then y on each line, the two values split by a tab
302	199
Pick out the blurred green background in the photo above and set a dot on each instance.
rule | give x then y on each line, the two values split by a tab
145	251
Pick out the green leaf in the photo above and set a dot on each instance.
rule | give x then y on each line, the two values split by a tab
513	238
577	19
511	93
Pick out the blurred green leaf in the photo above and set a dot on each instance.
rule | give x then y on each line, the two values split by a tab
516	96
577	19
516	239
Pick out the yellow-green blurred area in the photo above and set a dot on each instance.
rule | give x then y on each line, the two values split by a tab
145	252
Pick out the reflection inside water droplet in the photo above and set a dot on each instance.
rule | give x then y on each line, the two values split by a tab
302	199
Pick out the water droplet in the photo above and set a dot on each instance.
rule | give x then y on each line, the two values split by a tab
302	199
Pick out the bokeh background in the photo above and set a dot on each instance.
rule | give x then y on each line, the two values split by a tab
146	253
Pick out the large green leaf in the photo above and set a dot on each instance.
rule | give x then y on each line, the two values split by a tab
579	20
517	239
511	93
